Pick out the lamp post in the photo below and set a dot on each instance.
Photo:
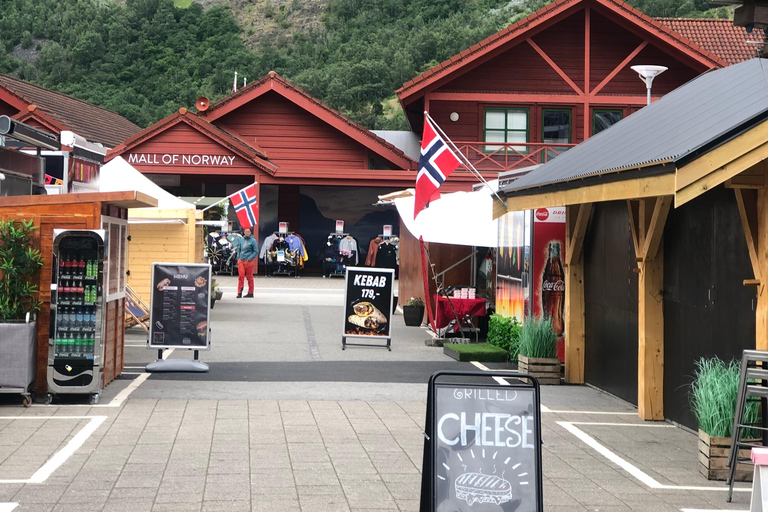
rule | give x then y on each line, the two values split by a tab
647	74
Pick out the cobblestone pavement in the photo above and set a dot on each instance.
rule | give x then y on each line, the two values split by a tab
292	444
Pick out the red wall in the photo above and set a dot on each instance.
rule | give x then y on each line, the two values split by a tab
292	137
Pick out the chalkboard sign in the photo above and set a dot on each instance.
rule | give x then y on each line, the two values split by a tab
368	305
179	306
484	447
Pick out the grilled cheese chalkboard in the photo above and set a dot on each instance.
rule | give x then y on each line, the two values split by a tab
179	306
483	451
368	305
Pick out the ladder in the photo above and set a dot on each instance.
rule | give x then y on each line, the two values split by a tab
754	367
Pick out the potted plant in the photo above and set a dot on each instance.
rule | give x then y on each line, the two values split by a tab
216	292
19	262
504	332
713	396
537	356
413	311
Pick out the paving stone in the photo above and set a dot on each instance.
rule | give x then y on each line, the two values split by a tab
227	506
259	504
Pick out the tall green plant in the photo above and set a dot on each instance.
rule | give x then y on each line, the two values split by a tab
504	332
19	262
713	396
537	339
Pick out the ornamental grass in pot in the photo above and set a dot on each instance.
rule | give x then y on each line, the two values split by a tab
713	396
413	311
538	351
19	264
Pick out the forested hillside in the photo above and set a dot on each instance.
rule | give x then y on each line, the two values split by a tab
146	58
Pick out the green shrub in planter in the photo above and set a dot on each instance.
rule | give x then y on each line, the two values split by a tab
504	332
537	339
19	262
713	397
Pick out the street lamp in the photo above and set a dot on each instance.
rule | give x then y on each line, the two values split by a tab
647	74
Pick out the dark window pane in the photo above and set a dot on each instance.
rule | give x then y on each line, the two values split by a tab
557	126
606	118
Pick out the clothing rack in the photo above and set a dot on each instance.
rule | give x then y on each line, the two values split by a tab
282	268
334	261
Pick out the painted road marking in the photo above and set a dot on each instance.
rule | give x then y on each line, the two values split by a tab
633	470
60	457
707	510
7	507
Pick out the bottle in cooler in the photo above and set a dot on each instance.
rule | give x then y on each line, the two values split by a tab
81	266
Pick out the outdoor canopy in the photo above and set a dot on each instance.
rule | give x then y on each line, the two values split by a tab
118	175
458	218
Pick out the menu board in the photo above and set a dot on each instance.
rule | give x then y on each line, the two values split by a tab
179	314
368	302
487	455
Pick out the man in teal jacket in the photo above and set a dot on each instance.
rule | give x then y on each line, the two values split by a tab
246	259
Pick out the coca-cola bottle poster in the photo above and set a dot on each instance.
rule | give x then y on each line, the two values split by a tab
510	265
548	268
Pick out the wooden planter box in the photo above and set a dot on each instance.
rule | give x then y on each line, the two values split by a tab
546	370
713	458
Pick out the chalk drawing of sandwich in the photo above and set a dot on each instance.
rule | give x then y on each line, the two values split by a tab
479	488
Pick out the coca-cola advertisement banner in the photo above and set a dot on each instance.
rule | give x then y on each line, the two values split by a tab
548	273
511	265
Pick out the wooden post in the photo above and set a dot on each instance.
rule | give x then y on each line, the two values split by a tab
577	217
751	200
647	218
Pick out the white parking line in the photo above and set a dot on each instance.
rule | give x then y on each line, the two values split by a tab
60	457
633	470
7	507
708	510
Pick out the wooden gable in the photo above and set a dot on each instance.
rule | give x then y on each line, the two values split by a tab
295	138
182	149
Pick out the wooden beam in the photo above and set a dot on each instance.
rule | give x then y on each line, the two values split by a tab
575	241
560	99
747	181
554	66
650	325
653	186
753	158
587	65
761	311
617	69
746	201
634	224
656	228
722	155
575	323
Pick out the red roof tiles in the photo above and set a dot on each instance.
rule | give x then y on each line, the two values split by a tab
94	123
720	37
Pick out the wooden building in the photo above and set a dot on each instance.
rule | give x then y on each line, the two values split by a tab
666	245
312	164
533	90
106	211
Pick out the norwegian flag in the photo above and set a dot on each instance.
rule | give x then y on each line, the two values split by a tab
246	206
436	163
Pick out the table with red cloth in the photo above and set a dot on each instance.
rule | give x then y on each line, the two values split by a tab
444	312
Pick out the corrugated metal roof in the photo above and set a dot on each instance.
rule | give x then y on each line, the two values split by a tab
693	115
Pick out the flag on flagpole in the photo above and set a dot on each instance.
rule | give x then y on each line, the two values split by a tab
436	162
246	206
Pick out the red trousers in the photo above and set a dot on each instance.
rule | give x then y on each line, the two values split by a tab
245	271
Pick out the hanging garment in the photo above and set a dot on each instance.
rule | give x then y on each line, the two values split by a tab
348	245
386	256
267	246
373	248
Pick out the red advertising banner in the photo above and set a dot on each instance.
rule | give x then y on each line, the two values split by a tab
548	272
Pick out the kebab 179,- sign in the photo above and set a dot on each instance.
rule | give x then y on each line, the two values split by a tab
368	302
485	458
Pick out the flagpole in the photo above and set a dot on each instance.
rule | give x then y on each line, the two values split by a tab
464	159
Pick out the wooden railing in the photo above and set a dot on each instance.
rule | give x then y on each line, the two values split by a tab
509	156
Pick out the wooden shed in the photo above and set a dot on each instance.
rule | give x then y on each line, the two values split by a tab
651	288
108	211
168	232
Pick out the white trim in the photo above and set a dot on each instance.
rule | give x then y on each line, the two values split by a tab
633	470
60	457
